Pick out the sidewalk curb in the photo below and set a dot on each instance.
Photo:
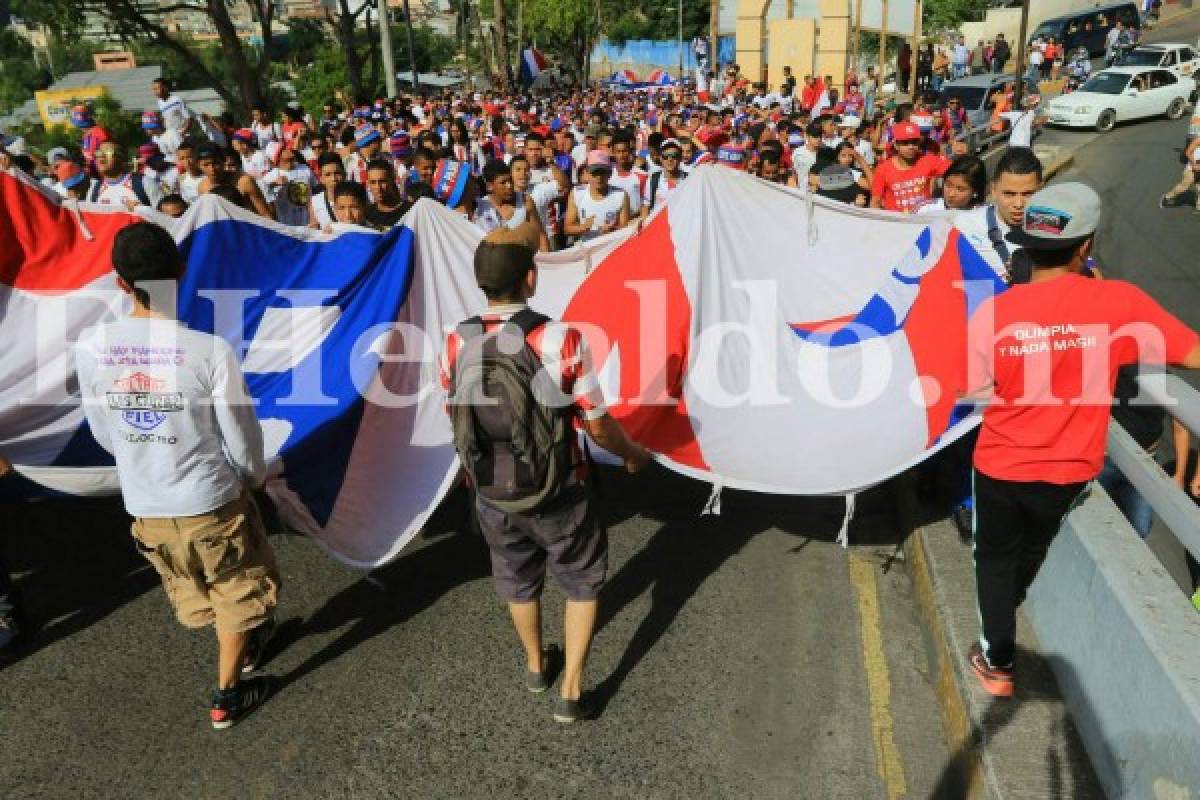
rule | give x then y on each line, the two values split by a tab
967	764
1000	749
1058	165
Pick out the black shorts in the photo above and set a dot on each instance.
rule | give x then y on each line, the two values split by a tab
567	540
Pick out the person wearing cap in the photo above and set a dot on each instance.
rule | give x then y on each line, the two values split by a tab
837	182
254	162
561	534
167	140
53	156
1044	357
93	135
455	187
850	129
367	145
72	181
666	180
904	182
158	176
596	208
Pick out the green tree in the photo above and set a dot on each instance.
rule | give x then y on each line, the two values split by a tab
940	15
653	19
241	86
567	29
20	74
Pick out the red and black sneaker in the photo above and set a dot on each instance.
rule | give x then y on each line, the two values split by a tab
996	681
231	705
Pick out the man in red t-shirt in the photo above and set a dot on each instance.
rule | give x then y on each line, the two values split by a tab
904	182
1047	353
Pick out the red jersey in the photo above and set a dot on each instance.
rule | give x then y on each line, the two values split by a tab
907	189
1052	357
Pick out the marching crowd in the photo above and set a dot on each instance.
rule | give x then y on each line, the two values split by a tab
578	164
537	173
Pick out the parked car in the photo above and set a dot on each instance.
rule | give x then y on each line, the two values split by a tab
1118	94
1181	59
1087	28
974	93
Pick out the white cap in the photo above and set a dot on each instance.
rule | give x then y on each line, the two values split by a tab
850	121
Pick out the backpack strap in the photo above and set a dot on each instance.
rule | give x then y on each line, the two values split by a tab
528	320
139	188
95	192
994	236
654	181
470	328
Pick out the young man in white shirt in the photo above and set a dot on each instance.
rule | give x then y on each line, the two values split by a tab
172	407
626	176
175	114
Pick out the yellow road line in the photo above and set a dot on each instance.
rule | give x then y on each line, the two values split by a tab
879	684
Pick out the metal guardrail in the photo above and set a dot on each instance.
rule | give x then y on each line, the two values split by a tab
1173	506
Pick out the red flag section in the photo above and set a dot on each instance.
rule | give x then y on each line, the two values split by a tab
625	298
43	248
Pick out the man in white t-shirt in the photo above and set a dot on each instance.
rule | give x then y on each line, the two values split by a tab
175	113
662	183
626	176
171	406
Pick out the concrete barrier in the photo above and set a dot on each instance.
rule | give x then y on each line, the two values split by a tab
1124	644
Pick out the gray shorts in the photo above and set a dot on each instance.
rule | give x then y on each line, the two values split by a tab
566	540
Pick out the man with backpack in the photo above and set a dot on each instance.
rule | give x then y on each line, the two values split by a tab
516	383
662	182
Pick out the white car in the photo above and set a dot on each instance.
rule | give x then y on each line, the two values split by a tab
1181	59
1118	94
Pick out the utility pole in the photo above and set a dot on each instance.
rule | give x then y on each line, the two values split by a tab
916	46
883	21
1019	89
680	6
385	44
412	51
714	36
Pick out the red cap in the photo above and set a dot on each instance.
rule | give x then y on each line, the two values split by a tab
905	132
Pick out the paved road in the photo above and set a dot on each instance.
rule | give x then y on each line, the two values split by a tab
744	655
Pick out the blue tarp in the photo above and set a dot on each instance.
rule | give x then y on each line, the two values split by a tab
644	54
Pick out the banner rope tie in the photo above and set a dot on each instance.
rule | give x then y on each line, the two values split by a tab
72	205
713	504
843	537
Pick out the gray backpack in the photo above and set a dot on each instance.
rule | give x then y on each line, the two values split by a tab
512	423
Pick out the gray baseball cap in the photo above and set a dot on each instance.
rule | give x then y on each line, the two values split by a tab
1059	216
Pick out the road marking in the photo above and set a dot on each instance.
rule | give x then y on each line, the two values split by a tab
879	684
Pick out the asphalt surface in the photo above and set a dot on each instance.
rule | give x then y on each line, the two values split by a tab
740	655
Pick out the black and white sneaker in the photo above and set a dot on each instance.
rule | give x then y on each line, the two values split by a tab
231	705
256	646
1163	202
568	711
10	634
552	662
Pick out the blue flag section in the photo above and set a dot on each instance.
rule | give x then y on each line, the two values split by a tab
304	318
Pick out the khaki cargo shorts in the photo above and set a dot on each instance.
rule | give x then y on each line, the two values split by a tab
218	568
